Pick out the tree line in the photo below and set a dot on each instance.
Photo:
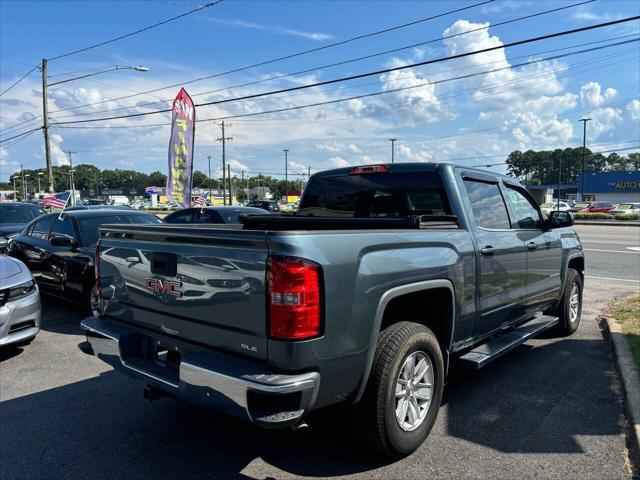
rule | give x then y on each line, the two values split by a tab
89	177
544	167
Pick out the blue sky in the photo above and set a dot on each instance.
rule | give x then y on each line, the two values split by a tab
470	121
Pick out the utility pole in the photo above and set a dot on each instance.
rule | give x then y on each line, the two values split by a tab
223	139
71	177
393	149
230	186
45	127
584	152
242	183
286	171
209	178
24	185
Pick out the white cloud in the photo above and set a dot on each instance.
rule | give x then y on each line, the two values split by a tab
57	154
603	120
591	96
633	108
338	162
404	152
3	154
318	37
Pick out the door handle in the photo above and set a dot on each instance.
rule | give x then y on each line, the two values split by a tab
488	250
532	246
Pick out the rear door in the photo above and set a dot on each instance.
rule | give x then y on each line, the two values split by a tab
32	248
544	249
502	268
191	282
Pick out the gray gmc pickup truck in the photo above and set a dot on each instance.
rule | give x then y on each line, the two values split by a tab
387	276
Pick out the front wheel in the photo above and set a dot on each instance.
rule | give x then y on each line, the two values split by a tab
570	309
403	395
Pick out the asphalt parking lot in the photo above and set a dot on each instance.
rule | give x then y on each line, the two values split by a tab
550	409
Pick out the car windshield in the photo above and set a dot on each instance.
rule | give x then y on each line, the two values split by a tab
625	206
376	196
89	226
581	205
18	214
547	205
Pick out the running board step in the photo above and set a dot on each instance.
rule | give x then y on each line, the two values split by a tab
498	346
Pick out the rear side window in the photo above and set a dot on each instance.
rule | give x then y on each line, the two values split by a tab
209	216
63	227
378	195
526	214
90	226
42	227
185	216
487	205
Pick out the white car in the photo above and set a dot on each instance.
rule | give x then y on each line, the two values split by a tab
625	209
19	303
549	206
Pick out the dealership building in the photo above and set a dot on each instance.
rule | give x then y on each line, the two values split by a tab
615	187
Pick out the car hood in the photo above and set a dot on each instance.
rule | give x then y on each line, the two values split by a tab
10	228
9	267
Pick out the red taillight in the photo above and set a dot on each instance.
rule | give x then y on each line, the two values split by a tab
96	264
382	168
294	298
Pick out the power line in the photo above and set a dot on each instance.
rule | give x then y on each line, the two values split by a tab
20	135
18	81
373	73
319	67
106	42
287	57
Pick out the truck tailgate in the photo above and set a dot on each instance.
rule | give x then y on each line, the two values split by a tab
205	285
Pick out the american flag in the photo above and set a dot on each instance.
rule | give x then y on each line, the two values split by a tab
56	200
200	201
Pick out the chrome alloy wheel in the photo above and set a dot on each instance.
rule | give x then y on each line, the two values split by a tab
574	303
414	389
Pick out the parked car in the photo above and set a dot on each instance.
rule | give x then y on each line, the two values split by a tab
13	218
549	206
579	206
289	208
19	303
386	274
626	209
59	249
212	214
268	205
598	207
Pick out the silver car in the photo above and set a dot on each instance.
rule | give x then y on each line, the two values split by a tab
19	303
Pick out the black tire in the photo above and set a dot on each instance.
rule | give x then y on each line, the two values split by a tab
377	408
569	324
90	290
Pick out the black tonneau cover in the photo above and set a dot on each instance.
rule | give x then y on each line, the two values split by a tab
292	222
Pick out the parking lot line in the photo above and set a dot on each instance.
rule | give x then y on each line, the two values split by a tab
609	251
616	279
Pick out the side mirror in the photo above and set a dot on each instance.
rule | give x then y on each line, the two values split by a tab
62	241
559	219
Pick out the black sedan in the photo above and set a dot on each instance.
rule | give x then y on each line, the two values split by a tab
14	216
212	214
60	250
267	205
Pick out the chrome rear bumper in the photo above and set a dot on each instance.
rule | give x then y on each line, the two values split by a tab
216	380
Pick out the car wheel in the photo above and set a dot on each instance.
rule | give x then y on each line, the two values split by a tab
402	398
570	309
92	304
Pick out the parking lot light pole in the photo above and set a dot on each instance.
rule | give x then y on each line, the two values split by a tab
393	149
584	152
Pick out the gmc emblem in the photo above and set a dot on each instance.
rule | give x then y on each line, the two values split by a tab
168	287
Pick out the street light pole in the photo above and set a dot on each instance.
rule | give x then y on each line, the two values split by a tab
39	176
45	108
45	127
393	149
584	152
71	177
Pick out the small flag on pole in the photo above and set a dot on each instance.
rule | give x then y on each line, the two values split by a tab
56	200
200	201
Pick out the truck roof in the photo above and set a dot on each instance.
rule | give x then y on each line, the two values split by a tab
414	167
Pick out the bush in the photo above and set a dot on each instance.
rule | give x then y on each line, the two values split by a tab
627	216
591	216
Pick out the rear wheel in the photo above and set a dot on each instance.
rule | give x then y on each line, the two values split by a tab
570	309
402	399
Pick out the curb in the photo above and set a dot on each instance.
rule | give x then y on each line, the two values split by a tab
608	223
630	380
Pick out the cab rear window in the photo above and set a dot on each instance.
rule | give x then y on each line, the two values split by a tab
376	196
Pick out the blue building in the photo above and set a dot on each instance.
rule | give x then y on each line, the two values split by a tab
615	187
